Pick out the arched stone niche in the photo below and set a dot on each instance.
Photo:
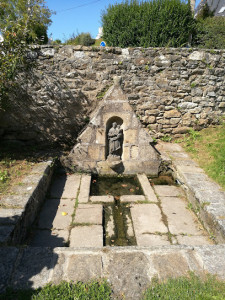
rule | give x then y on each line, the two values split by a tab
109	126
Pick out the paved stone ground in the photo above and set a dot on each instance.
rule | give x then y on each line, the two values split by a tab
128	269
71	217
170	239
206	196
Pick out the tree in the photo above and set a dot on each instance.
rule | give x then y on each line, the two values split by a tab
192	3
21	22
156	23
83	38
210	33
31	15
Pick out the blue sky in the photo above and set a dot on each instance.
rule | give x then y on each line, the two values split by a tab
76	16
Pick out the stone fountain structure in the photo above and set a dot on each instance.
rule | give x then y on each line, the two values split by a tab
114	142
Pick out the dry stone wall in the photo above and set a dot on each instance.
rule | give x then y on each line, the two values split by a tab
170	90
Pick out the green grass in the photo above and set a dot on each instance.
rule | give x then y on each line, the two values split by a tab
186	288
207	147
64	291
16	162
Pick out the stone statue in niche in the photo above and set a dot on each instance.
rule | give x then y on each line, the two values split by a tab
115	136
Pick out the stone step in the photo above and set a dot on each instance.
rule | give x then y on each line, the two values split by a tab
129	269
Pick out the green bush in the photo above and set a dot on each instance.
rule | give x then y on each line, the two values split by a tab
210	33
84	39
158	23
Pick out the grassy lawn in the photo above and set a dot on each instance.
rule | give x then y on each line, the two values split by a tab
185	288
17	162
207	148
64	291
11	172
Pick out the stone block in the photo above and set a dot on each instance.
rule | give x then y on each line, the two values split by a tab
189	169
132	198
88	165
127	107
5	232
56	213
170	265
136	166
102	154
181	130
87	135
50	238
147	189
100	136
65	186
148	240
103	199
180	219
87	236
168	191
24	189
147	218
146	153
34	268
129	273
79	153
84	267
18	201
130	136
125	116
174	121
84	189
222	105
144	138
10	215
134	152
126	153
197	55
213	259
193	240
43	167
8	256
89	213
94	152
172	114
169	147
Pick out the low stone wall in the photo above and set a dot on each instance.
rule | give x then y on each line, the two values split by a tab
20	209
171	90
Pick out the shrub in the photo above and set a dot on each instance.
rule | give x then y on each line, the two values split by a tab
210	33
84	39
158	23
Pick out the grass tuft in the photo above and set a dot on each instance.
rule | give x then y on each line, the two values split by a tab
64	291
186	288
